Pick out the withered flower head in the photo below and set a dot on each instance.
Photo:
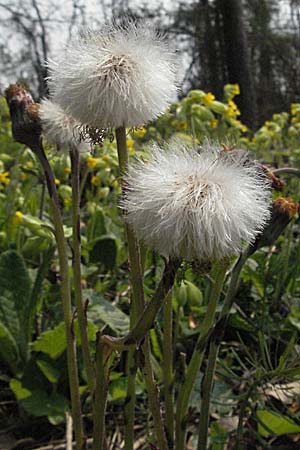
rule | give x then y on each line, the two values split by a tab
282	212
26	127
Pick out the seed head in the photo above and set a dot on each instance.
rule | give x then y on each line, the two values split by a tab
196	204
121	76
60	128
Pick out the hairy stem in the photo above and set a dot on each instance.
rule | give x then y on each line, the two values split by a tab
101	391
168	369
137	311
66	298
81	314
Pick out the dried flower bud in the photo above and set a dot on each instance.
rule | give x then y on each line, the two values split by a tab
277	183
26	126
282	212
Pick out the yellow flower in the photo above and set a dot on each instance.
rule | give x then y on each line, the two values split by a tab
95	181
140	133
4	177
244	129
182	125
236	89
67	170
17	218
294	109
91	162
232	110
57	182
130	145
214	123
295	120
208	98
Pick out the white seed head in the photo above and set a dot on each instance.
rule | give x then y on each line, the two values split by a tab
60	128
116	77
196	204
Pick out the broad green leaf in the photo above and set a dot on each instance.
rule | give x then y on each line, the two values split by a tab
9	316
51	342
118	389
9	352
276	423
14	277
109	314
40	404
51	373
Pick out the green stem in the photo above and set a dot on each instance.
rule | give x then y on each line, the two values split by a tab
168	369
218	275
66	297
137	303
81	314
101	391
154	397
137	311
214	350
206	393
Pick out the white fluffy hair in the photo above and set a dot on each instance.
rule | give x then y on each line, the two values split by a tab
196	203
121	76
60	128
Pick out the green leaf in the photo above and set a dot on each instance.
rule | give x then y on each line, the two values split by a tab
18	390
9	352
276	423
51	342
109	314
96	226
40	404
51	373
104	251
118	389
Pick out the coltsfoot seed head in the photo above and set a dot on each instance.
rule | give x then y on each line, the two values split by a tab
196	204
121	76
60	128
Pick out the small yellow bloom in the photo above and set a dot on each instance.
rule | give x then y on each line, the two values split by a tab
17	218
91	162
67	170
208	98
4	177
295	120
244	129
236	89
214	123
182	125
57	182
294	109
130	144
95	181
140	133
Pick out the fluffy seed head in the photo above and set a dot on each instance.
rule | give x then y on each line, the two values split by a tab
60	128
116	77
196	204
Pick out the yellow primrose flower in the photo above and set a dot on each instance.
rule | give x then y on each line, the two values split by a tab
130	144
214	123
67	170
295	120
294	109
57	182
182	125
208	98
140	133
244	129
4	178
95	181
17	218
91	162
236	89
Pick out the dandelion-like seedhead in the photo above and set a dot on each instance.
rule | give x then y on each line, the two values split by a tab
122	76
60	128
196	204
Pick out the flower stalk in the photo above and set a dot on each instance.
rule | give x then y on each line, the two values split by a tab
81	314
